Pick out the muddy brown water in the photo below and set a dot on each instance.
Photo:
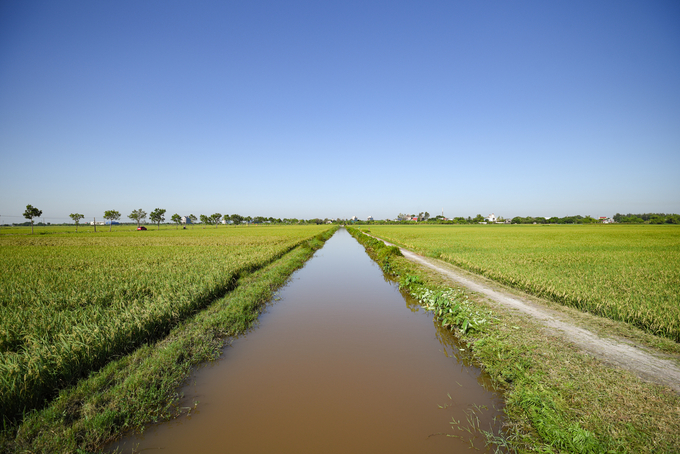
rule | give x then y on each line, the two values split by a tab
341	362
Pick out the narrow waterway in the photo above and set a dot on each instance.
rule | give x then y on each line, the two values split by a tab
342	362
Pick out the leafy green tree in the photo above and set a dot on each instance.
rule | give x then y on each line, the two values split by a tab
236	218
206	220
632	219
111	215
193	220
76	218
157	216
137	216
478	218
216	218
177	219
30	213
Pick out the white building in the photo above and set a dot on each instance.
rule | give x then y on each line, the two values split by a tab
186	220
491	218
370	218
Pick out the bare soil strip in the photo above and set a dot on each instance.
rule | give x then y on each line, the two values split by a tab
621	354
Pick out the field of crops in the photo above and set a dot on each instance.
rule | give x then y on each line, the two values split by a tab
69	303
628	273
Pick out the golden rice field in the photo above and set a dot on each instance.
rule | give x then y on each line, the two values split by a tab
624	272
69	303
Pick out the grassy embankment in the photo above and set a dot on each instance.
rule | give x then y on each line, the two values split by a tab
157	308
558	399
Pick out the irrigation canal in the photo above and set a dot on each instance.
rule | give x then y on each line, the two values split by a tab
342	362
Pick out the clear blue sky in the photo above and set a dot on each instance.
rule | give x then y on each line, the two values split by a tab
336	109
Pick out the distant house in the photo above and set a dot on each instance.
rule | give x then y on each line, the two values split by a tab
186	220
606	220
370	218
112	223
491	218
354	219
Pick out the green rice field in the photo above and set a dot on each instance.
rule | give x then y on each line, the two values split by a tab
623	272
69	303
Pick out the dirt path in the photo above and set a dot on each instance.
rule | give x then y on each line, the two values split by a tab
645	365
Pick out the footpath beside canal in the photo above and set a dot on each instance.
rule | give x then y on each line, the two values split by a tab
617	352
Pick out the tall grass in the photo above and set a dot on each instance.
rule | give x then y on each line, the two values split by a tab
627	273
69	304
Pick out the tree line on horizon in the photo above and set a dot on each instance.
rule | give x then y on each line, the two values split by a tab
648	218
157	216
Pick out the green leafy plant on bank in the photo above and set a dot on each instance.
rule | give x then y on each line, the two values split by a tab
452	308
